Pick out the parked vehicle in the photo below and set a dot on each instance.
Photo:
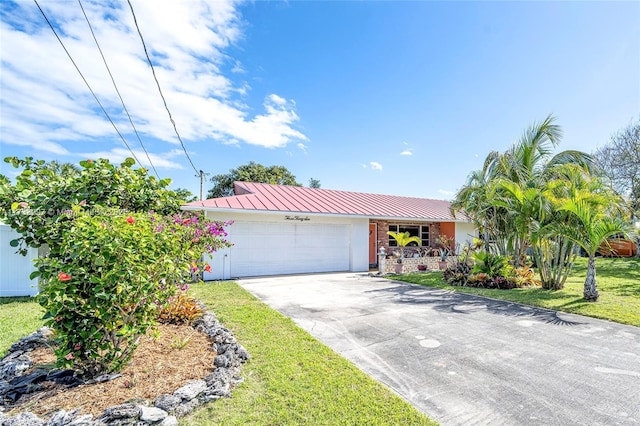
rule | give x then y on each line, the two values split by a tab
618	247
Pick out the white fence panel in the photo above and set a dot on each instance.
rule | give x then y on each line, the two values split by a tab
15	268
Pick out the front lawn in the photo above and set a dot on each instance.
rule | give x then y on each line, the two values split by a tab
291	379
19	316
618	284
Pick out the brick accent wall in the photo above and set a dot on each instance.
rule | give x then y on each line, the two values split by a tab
383	237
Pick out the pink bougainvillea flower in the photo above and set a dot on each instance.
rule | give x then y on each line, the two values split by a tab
207	268
83	203
130	220
77	346
64	277
185	221
68	357
23	204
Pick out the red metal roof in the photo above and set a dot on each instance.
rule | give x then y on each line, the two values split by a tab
297	199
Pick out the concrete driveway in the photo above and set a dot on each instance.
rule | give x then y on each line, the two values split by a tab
464	359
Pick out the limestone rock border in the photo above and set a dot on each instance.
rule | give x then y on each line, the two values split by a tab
164	410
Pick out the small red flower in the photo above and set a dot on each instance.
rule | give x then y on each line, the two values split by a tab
195	240
68	357
58	319
89	161
186	221
130	220
64	277
77	346
207	268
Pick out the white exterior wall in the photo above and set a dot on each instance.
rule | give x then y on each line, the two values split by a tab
353	253
15	268
465	233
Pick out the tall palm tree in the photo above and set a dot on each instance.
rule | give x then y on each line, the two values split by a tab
523	171
474	199
507	199
595	226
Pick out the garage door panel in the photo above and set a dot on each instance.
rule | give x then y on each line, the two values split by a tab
282	248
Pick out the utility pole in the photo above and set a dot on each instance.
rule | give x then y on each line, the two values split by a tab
201	175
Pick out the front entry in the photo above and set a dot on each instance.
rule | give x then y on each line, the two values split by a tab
373	245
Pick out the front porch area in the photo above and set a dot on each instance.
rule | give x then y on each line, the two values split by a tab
428	253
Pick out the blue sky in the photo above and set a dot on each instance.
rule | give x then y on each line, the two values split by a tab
387	97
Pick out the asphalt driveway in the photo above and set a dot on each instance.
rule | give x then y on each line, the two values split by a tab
464	359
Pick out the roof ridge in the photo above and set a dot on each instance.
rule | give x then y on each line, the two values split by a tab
336	190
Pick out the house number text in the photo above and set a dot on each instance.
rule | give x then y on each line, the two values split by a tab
299	218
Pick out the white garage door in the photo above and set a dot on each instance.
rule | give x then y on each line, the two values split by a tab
263	248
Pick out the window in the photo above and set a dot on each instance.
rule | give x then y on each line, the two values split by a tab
420	231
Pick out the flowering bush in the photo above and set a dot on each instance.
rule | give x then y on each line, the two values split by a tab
110	263
43	198
111	277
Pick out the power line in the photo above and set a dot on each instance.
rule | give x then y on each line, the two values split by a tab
115	86
159	89
86	82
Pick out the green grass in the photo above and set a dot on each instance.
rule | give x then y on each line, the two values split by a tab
19	316
618	284
292	379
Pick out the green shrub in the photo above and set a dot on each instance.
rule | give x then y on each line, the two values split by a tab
111	262
491	264
109	278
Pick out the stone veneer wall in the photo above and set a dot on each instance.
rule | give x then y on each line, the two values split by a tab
409	265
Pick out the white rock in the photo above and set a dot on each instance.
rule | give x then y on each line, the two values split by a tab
169	421
152	414
191	389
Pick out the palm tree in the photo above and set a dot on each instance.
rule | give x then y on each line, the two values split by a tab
594	225
403	239
507	199
474	200
523	172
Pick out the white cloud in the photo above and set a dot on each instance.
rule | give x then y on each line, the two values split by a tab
118	155
237	68
375	165
302	147
46	105
407	152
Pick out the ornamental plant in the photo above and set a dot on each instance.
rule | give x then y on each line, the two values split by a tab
115	249
37	205
112	275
